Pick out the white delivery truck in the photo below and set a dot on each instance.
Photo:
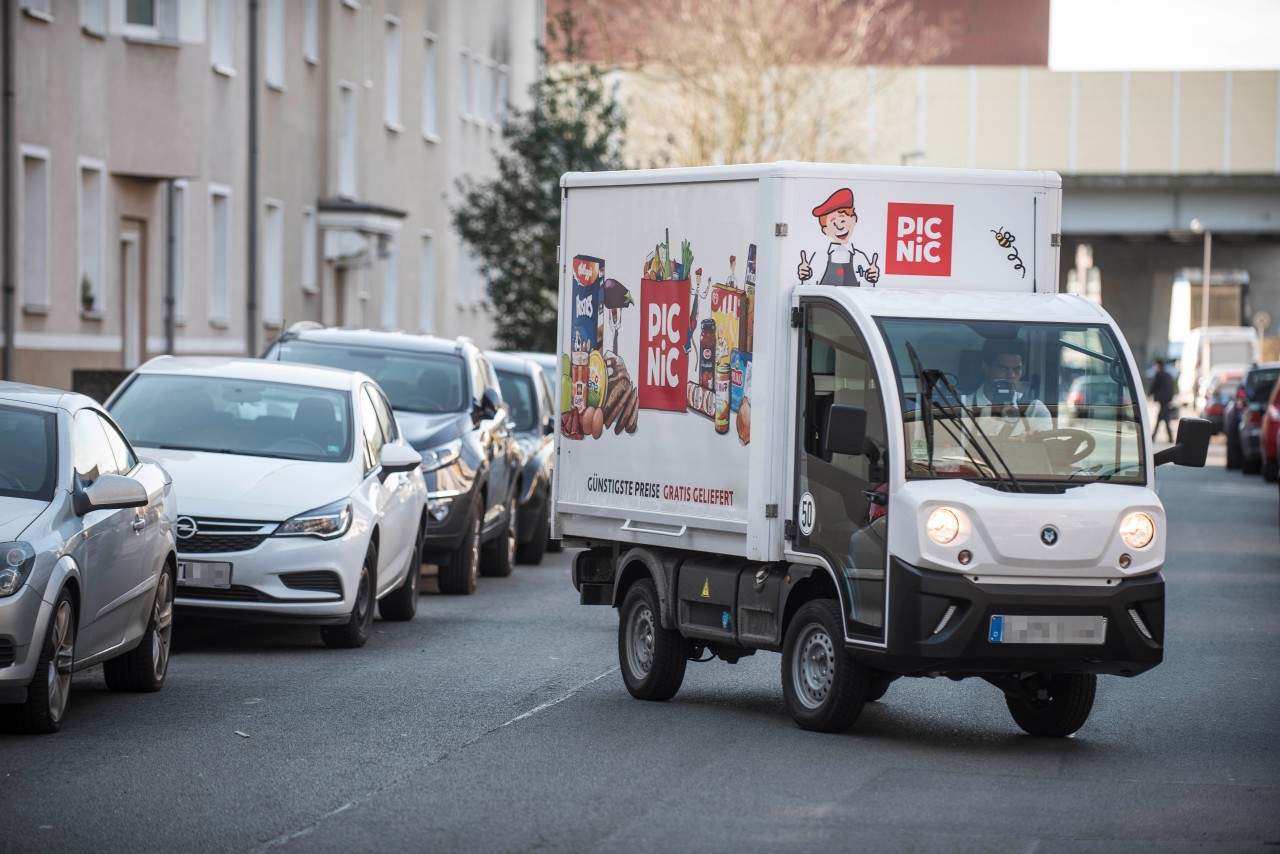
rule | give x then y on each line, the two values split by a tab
842	413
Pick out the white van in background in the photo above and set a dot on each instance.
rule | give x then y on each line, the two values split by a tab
1210	347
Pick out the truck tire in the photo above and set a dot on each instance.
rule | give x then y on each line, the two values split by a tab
1065	711
824	688
652	658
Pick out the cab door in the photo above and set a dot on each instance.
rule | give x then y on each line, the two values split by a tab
841	500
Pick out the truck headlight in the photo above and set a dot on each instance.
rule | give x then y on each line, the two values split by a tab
1137	530
16	560
943	525
328	522
438	458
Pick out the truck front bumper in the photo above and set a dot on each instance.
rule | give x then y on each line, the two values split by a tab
920	642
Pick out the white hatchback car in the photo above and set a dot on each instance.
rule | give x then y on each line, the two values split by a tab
299	501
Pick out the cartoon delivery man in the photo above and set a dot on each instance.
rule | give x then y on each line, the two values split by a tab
845	263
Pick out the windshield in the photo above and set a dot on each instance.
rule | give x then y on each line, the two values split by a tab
232	416
1015	403
413	382
518	391
28	453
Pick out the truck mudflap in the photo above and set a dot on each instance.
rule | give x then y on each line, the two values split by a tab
941	622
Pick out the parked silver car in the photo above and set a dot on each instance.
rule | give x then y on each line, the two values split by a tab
87	555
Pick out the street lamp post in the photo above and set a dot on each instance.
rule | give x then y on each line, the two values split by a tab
1199	228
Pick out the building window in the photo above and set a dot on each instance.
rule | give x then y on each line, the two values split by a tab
477	88
151	19
272	262
34	242
347	140
503	74
273	74
391	77
93	16
89	283
430	83
179	251
464	84
495	87
390	284
461	272
222	36
427	284
309	247
41	9
220	255
311	32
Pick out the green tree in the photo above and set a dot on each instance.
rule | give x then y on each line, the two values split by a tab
512	221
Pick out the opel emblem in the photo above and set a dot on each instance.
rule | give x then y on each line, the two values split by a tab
1049	535
185	527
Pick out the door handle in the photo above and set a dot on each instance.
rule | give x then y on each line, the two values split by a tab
138	524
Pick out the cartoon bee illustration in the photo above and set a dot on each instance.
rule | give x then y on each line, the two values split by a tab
1005	240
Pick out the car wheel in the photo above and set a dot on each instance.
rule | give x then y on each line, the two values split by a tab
1270	470
354	633
653	659
459	574
144	667
1234	454
824	688
531	552
1251	465
1065	706
499	556
51	686
401	604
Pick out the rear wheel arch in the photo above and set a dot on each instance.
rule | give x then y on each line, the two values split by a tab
638	564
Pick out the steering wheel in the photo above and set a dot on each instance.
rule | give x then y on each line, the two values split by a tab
1074	443
301	443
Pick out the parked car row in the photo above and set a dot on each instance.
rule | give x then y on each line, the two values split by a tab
306	487
1252	422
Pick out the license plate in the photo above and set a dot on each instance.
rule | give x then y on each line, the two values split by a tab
202	573
1075	629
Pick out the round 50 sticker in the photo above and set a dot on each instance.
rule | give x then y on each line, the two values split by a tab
808	512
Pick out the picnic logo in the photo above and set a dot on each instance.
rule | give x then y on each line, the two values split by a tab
919	240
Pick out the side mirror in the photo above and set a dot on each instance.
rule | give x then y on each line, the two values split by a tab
490	402
109	492
845	431
1192	445
549	427
396	459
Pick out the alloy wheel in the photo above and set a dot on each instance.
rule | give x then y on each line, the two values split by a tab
162	619
59	675
511	535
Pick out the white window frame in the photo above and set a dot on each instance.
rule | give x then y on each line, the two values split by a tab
86	216
349	117
272	263
310	248
275	32
220	290
181	221
311	32
36	297
477	88
93	17
464	84
41	10
222	40
392	72
427	282
430	87
491	109
391	284
504	82
165	27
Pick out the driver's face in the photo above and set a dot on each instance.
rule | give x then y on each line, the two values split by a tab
1007	366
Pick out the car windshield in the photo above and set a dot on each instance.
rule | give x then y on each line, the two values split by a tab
1260	383
1013	404
518	391
235	416
28	453
413	382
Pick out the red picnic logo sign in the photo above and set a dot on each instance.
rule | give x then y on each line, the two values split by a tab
919	240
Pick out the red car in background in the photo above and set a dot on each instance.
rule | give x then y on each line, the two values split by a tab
1268	437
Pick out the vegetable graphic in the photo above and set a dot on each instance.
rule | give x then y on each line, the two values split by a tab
616	294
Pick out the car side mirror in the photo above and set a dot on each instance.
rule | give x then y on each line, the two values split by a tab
1191	447
490	402
845	431
397	458
109	492
549	427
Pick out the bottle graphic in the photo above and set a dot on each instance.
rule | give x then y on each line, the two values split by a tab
722	397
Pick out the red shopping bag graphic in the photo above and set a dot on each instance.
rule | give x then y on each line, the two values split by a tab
664	364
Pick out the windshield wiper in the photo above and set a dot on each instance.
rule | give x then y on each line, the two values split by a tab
1110	360
942	380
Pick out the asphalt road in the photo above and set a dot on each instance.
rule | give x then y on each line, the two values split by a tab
499	722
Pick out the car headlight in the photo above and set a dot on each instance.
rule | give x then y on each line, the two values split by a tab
943	525
16	560
332	520
439	457
1137	530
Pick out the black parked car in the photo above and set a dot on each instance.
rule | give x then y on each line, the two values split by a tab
1243	420
527	391
449	406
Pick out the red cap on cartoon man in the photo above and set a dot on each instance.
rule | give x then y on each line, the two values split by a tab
842	198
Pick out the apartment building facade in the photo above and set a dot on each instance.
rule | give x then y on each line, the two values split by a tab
138	199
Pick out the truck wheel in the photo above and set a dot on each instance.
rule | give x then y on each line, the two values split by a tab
1064	711
823	686
652	658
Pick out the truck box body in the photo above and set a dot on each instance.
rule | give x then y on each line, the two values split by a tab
663	472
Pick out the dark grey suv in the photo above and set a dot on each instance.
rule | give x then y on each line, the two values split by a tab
449	406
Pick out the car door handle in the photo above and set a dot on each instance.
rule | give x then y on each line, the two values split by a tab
138	524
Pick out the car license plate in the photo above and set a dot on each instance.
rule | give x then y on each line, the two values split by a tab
1077	629
201	573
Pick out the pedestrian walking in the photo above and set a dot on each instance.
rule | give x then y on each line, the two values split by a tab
1162	393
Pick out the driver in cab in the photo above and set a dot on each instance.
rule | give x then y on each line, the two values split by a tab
1003	412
